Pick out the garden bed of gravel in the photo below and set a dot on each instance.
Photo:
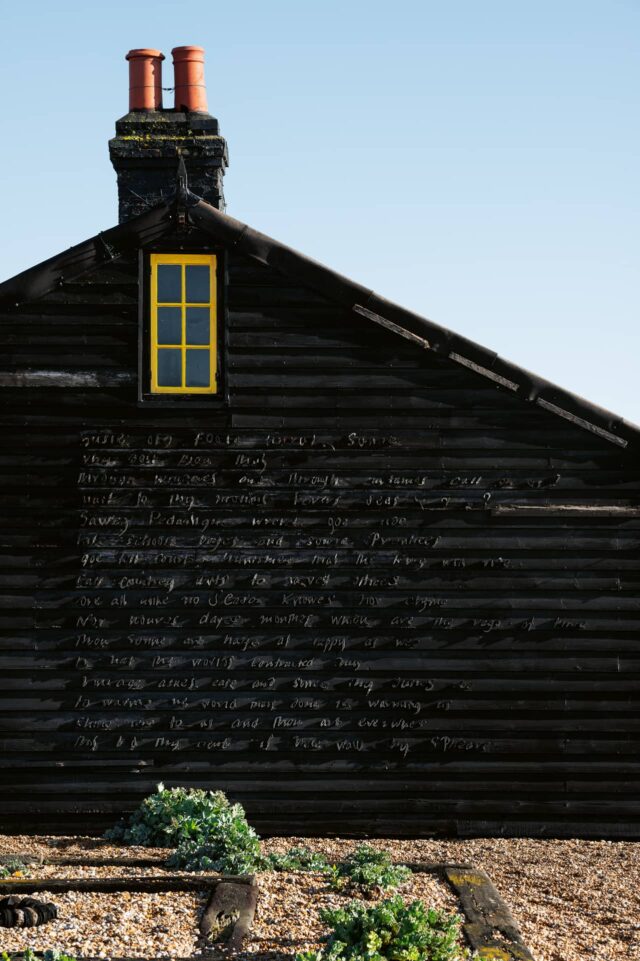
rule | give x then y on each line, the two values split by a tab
152	925
89	924
573	900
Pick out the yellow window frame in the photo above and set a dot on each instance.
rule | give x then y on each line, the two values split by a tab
184	260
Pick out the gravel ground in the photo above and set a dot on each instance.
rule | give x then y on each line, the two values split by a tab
573	900
112	925
287	916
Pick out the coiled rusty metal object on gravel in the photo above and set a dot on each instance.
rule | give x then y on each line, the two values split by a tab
18	912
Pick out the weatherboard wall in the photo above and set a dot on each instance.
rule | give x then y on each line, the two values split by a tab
371	592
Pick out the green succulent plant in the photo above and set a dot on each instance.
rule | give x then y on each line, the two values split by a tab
48	955
297	859
389	931
367	870
11	867
207	831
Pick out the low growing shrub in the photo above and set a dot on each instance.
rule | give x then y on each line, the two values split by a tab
389	931
169	816
297	859
48	955
12	868
367	870
207	831
231	846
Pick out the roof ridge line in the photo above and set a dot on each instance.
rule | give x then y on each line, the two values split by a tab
425	333
109	244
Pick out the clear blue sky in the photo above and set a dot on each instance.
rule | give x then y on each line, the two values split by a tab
474	160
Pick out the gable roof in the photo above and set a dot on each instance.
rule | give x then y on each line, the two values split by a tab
150	226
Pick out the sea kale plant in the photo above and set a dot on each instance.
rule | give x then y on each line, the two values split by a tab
297	859
389	931
206	830
227	844
49	955
14	867
368	870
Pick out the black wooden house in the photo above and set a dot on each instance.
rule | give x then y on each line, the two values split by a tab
265	531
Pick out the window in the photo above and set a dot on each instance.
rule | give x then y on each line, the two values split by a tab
183	347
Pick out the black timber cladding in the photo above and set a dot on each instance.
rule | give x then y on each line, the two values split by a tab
375	591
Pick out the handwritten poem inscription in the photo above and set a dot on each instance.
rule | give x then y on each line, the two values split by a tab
248	593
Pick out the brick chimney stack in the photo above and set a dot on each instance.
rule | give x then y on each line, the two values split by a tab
150	139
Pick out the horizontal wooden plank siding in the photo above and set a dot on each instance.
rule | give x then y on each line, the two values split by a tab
371	592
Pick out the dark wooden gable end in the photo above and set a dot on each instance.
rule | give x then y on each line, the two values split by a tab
373	589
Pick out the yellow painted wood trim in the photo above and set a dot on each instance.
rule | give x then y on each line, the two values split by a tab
184	260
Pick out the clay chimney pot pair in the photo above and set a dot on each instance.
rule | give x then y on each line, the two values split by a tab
145	79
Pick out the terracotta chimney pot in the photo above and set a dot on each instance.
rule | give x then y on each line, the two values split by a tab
190	90
145	79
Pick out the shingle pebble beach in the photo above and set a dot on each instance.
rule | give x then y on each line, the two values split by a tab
573	900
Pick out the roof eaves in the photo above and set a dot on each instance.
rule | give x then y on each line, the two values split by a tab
106	246
361	301
425	333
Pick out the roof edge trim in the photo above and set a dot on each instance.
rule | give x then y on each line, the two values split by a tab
106	246
360	301
425	333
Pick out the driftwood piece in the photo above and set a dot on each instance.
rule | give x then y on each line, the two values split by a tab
230	911
107	862
489	924
106	885
6	859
